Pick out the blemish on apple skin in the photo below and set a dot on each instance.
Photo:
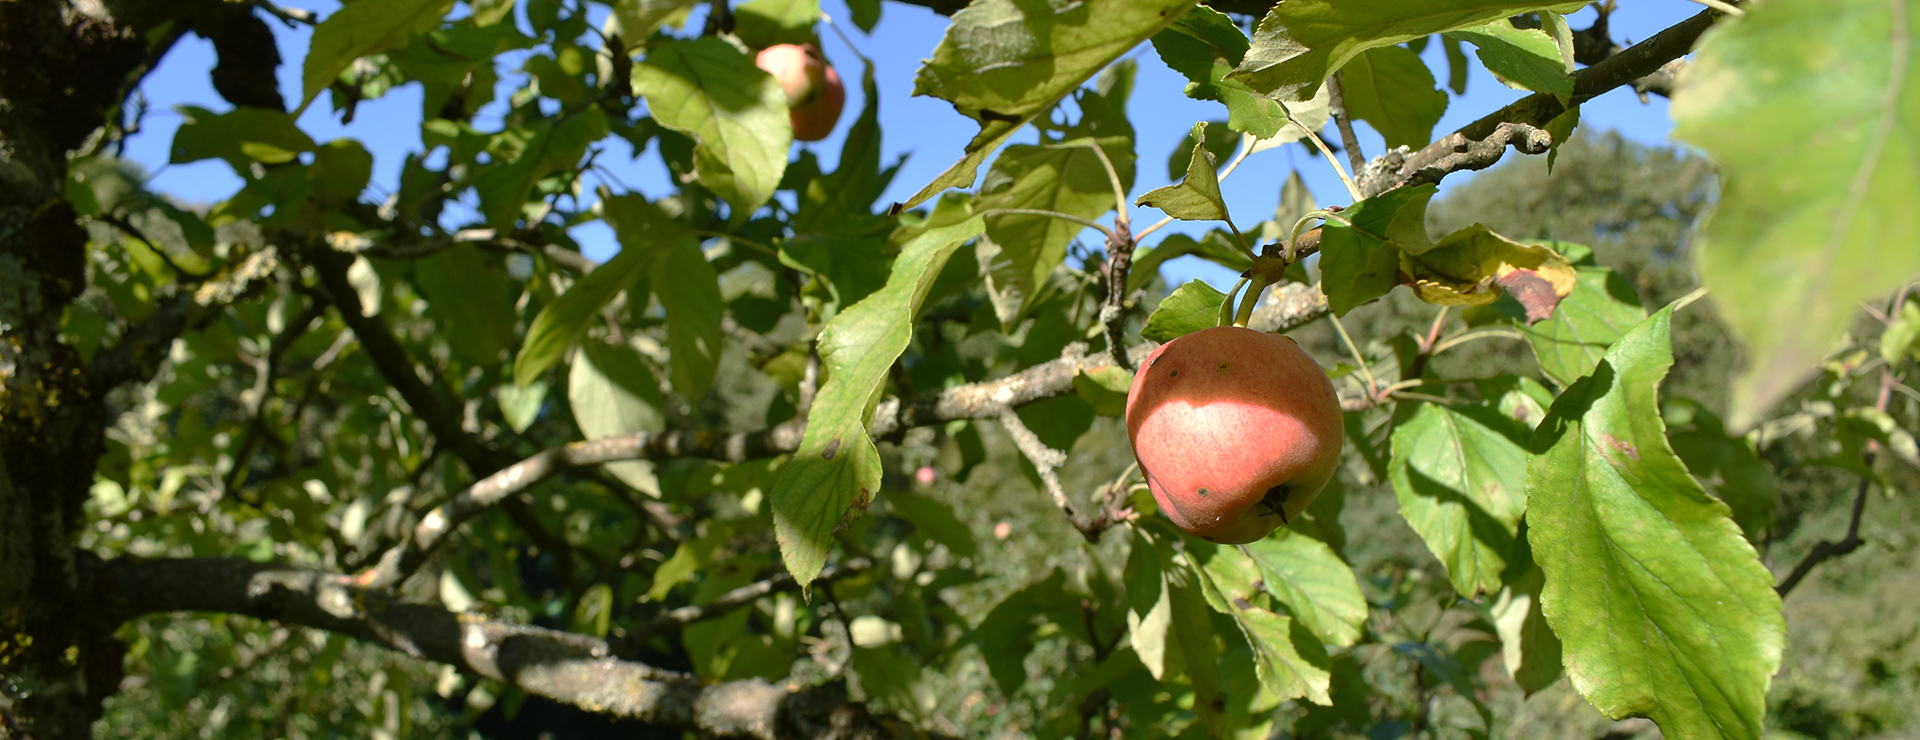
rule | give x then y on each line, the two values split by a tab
1203	493
1223	367
1173	373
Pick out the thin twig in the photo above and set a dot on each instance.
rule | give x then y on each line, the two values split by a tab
1723	7
725	603
1338	109
293	17
1825	549
1113	310
1414	369
1047	462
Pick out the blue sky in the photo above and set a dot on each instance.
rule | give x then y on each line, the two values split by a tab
927	130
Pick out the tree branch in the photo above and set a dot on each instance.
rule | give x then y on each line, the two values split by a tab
442	418
1482	143
1287	308
1113	309
566	667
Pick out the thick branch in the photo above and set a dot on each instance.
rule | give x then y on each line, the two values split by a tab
1480	144
566	667
442	418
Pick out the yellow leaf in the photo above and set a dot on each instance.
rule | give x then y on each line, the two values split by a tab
1474	267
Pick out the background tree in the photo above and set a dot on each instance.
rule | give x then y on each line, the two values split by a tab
795	461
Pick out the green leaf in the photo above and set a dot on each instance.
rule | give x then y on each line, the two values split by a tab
1393	91
1726	466
1204	45
1517	397
1002	63
341	169
1191	623
1462	487
1818	181
1457	66
866	14
1664	609
1475	267
1601	308
1149	605
853	266
764	23
1298	44
471	299
1528	646
642	228
522	155
936	520
1005	635
239	136
1105	389
613	394
837	469
1901	340
359	29
850	190
594	614
1192	307
736	114
1360	254
1880	426
1021	250
689	290
1198	37
638	19
1215	246
1197	196
1305	576
1231	581
1220	142
1527	59
521	404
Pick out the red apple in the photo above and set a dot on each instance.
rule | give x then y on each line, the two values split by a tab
814	93
1236	431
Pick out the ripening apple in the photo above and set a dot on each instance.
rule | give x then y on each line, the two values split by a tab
814	93
1236	431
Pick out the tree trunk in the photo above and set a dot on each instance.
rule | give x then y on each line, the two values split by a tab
61	71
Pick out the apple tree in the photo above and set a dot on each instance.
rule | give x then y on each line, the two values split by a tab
328	458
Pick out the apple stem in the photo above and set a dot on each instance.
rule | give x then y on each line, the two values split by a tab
1226	306
1244	315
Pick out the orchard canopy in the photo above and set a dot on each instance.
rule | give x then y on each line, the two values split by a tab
511	368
